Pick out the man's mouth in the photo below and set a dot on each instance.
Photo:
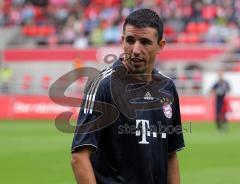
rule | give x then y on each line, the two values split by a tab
137	62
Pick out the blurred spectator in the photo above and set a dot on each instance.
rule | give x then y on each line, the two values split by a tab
5	78
112	34
95	22
2	20
81	42
96	36
28	14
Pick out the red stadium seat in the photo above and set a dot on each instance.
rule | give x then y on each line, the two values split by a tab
50	30
38	14
188	38
202	27
192	27
197	27
169	30
42	31
209	12
193	38
33	30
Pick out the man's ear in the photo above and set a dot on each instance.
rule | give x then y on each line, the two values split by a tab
122	40
161	44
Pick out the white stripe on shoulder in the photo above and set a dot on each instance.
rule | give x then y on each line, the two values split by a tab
93	93
93	90
164	75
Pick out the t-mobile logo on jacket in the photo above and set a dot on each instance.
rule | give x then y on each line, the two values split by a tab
143	129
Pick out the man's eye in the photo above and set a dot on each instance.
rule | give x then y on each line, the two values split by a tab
130	41
145	42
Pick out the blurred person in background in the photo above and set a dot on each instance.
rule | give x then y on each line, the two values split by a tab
220	90
6	75
99	22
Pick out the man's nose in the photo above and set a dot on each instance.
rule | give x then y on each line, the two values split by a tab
136	49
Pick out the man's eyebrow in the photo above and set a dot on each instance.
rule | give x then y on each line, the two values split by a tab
129	36
143	39
146	40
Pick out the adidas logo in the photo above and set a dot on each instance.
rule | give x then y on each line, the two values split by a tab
148	96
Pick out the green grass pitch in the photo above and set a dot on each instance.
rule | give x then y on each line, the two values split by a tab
35	152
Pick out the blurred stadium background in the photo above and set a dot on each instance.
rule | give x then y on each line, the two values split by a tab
43	39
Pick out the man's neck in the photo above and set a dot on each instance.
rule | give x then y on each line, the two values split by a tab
145	77
142	77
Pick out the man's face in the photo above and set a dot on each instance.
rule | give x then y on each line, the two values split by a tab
142	45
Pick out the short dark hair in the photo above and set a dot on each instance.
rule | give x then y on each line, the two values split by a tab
145	18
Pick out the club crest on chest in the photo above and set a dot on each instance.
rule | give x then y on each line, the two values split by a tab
166	107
